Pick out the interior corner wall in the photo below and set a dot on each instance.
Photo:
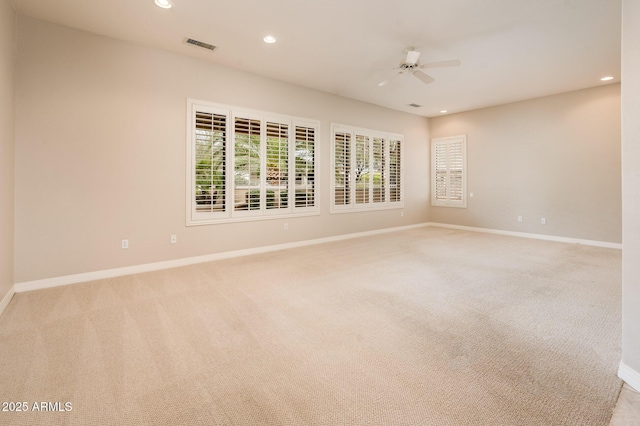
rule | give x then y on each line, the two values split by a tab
7	139
100	154
631	188
555	157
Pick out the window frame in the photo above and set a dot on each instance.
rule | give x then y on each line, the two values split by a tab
231	212
368	202
458	142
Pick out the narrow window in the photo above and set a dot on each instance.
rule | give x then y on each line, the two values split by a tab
449	171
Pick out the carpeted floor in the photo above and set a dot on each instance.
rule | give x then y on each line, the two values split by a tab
420	327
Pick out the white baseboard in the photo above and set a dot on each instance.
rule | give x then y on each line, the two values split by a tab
148	267
630	376
6	299
529	235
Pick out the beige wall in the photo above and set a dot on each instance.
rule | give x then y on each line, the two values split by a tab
556	157
7	98
100	154
631	185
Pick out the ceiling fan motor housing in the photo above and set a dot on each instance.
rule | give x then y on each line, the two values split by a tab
408	67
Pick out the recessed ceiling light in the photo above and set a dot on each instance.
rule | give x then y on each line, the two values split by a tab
165	4
443	111
607	78
269	39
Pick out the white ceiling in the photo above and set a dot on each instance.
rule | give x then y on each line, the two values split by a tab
510	49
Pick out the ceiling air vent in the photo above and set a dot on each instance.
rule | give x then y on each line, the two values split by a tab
201	44
414	105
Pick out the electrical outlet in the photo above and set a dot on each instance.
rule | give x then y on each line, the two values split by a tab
125	244
543	220
519	218
471	195
401	214
174	239
285	226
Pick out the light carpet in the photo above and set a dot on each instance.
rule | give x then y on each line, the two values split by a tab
426	326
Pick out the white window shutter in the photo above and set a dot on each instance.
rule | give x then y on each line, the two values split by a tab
395	171
207	158
247	159
277	166
248	165
378	172
449	171
361	169
342	168
367	169
304	167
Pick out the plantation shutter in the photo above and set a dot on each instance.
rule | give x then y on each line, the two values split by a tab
305	160
449	171
456	162
277	173
395	171
209	180
378	170
367	169
361	167
440	172
247	164
342	166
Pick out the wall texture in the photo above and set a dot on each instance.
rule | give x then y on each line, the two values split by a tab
556	157
7	156
100	154
631	186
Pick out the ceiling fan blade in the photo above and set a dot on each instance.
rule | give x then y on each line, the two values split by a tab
388	80
453	63
423	77
412	57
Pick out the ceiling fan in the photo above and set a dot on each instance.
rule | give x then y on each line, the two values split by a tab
412	65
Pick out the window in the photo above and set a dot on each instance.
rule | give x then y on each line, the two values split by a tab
366	169
245	165
449	171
